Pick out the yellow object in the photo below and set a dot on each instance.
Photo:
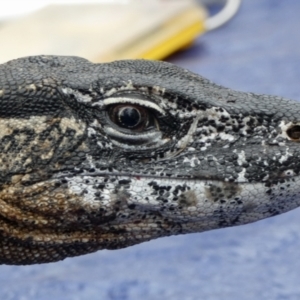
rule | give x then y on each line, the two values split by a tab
170	35
105	32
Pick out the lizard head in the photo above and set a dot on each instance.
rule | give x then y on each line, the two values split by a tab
104	156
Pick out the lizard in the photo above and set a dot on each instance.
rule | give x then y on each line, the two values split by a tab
105	156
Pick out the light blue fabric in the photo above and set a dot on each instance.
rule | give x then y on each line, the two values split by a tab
258	51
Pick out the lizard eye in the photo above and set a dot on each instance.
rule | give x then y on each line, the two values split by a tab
133	121
132	117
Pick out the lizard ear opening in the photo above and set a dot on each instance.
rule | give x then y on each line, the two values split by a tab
294	133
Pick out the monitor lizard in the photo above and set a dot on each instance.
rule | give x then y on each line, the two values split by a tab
104	156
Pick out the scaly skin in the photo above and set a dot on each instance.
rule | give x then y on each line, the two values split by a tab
104	156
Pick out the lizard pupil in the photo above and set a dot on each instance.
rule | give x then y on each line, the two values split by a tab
129	117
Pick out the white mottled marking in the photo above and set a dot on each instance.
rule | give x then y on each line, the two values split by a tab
182	143
79	97
31	87
241	157
241	176
285	157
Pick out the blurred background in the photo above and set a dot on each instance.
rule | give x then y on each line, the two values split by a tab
108	30
257	51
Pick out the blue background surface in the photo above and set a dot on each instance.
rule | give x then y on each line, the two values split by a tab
258	51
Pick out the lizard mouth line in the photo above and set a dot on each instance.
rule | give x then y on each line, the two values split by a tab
140	176
165	177
199	177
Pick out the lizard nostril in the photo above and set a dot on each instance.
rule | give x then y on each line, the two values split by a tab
294	132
